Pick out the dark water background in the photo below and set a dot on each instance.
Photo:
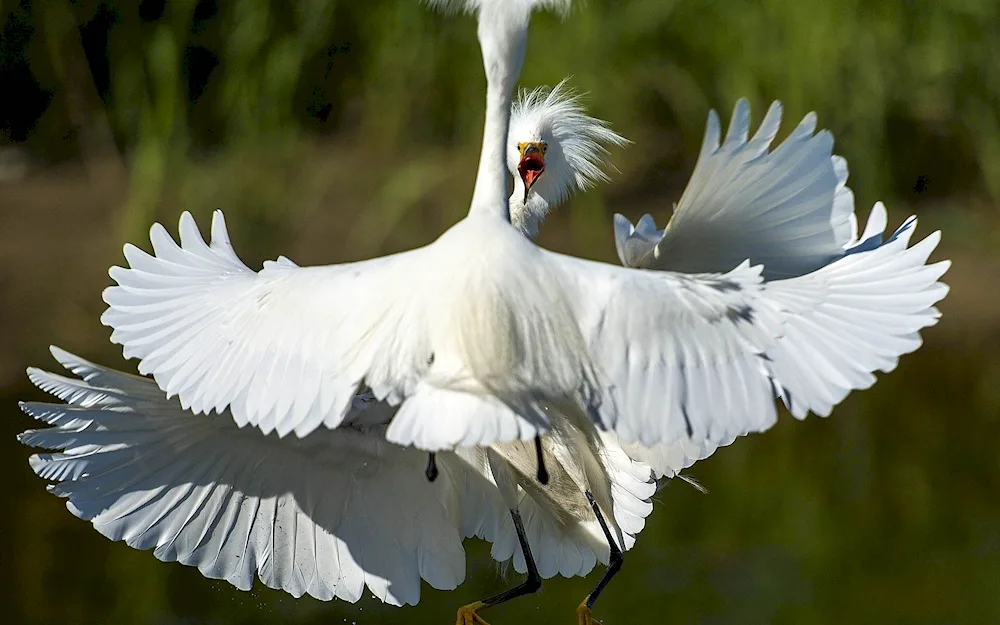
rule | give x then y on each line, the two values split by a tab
362	140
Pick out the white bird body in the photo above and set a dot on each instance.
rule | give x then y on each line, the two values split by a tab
564	535
473	336
501	338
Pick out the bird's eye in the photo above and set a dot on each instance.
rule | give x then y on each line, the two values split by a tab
545	148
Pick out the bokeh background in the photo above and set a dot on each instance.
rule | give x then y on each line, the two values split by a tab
330	131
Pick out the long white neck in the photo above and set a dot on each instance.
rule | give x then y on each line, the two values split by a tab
502	36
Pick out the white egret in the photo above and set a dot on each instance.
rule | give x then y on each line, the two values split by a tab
474	351
139	420
489	345
134	419
474	334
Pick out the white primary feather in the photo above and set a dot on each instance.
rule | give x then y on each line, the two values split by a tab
668	460
788	209
635	244
855	316
844	321
325	516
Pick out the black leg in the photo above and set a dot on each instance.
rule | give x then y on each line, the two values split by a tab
468	614
432	468
614	565
543	474
534	581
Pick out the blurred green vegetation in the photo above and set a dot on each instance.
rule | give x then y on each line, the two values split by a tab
181	83
336	130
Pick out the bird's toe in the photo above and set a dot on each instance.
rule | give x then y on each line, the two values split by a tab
469	614
584	616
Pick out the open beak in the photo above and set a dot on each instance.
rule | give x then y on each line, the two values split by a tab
532	163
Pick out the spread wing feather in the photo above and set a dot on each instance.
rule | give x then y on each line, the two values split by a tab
285	348
326	516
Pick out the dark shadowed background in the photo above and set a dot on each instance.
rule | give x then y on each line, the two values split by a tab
331	131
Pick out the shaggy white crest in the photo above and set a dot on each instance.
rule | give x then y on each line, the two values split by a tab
578	147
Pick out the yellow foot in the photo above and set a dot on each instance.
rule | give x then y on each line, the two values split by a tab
469	614
584	616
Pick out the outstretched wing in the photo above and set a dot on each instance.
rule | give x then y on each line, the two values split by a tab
789	209
684	354
285	348
702	356
855	316
325	516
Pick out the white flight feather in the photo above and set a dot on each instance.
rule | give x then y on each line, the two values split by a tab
324	516
788	209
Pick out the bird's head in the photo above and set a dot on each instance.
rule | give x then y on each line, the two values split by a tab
553	149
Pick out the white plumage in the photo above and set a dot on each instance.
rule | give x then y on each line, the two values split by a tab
788	209
472	350
327	515
854	304
656	356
